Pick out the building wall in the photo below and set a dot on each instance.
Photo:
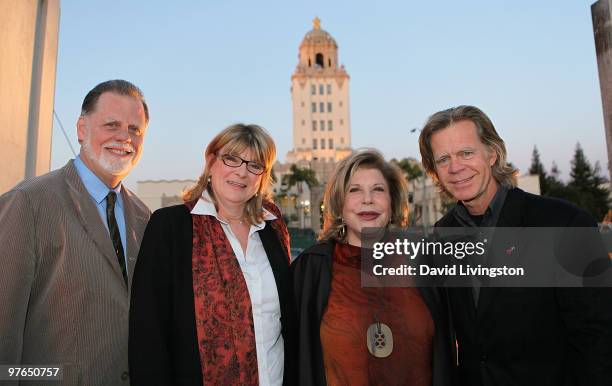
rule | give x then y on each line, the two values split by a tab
28	56
601	12
303	116
161	193
530	183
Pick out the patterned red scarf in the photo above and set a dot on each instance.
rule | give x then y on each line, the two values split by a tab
224	318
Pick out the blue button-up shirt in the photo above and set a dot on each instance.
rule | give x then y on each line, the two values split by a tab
98	192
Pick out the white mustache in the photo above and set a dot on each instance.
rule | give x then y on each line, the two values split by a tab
120	146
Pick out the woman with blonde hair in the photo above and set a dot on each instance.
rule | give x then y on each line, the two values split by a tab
337	315
211	299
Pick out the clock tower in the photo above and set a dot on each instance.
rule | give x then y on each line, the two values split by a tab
320	98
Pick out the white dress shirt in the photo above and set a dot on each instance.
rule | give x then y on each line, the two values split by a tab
261	284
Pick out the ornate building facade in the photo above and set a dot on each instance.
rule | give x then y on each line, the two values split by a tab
321	124
320	99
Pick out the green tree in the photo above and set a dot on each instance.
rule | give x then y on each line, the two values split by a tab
537	168
412	170
556	187
411	167
586	185
298	175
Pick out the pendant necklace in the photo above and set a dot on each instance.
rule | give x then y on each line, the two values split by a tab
379	338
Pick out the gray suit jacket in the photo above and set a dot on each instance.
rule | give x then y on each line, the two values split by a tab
63	300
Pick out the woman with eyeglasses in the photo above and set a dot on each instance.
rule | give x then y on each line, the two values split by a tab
211	299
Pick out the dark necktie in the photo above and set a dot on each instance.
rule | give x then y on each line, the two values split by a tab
113	229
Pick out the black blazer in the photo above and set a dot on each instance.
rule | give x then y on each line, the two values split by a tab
534	336
312	275
163	346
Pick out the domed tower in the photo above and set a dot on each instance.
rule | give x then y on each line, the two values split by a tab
320	96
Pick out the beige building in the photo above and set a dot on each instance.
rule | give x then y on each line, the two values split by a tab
320	98
28	57
321	125
161	193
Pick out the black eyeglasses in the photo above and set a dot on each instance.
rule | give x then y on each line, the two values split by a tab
233	161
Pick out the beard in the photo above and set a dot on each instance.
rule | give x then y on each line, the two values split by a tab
112	165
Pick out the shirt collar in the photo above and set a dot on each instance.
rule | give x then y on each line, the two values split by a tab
497	202
206	207
94	185
490	216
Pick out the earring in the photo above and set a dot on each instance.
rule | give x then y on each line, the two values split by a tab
342	232
208	180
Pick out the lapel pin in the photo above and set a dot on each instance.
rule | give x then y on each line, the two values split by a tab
510	250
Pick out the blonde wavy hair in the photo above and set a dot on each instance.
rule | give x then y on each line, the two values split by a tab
234	140
504	174
335	192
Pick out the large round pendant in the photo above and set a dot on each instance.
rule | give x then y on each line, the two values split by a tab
380	340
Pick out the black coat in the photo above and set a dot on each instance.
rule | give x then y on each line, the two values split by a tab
163	346
312	275
534	336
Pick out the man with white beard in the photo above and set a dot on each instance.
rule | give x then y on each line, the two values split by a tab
69	241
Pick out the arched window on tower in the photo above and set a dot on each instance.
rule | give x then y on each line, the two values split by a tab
309	63
329	62
319	60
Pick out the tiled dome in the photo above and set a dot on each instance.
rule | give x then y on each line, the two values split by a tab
318	36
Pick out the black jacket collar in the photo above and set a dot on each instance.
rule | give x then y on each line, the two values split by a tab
511	214
325	248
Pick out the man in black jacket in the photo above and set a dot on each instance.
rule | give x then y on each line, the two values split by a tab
513	336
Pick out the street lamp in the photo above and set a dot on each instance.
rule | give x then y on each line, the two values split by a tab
304	208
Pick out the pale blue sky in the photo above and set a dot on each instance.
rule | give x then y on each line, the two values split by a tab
203	65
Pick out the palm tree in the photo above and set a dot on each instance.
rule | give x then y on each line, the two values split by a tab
289	201
299	175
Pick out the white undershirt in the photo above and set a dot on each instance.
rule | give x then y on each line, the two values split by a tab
263	293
